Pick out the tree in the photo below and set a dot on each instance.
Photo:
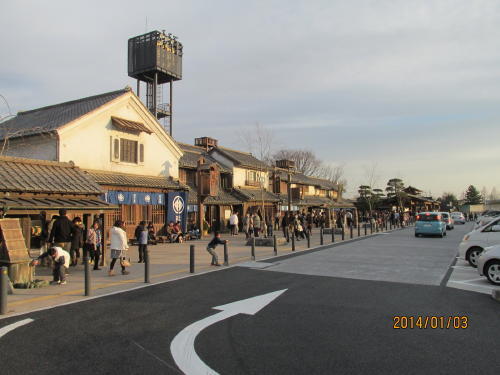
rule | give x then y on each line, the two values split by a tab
493	194
259	141
448	201
472	195
306	161
395	189
369	198
333	173
484	194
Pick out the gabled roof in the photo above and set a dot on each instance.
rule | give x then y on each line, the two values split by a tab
48	119
132	180
240	158
40	176
302	179
193	153
256	195
223	197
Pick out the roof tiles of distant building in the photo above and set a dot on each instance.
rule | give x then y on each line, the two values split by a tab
125	179
50	118
193	153
240	158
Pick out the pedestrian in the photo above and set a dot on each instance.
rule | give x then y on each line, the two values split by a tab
211	248
76	240
151	231
233	223
256	224
284	224
93	244
60	235
141	236
60	260
119	247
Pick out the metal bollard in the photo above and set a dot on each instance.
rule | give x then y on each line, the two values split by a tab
253	248
333	233
293	242
365	229
371	227
275	245
191	258
4	280
390	224
287	235
343	233
308	239
359	230
226	255
376	227
147	279
350	230
321	236
88	291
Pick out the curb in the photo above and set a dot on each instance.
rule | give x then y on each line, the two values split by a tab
495	294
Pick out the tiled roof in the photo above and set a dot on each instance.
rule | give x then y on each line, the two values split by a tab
48	119
40	176
132	180
18	203
251	195
130	125
223	197
243	159
193	153
300	178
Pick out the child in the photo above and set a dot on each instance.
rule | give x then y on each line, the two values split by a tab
211	248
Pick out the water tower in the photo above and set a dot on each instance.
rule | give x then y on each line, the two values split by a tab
155	58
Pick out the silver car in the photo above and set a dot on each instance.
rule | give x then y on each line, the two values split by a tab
488	264
458	217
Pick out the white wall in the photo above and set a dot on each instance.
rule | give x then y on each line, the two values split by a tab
240	176
89	143
42	147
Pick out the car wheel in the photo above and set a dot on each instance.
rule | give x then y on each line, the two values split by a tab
492	271
445	233
416	234
473	255
441	235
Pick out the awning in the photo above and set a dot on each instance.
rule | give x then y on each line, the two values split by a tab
129	125
36	204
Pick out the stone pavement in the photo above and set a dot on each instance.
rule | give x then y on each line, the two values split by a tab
168	262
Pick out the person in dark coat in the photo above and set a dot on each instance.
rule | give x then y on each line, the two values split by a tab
76	240
60	235
211	248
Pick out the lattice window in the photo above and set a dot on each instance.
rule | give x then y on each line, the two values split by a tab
158	214
128	150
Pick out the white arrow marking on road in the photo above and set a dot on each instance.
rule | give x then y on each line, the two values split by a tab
10	327
182	347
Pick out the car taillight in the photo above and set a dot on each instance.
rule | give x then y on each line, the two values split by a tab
439	217
418	217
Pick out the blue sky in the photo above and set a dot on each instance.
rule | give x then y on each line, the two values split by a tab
410	86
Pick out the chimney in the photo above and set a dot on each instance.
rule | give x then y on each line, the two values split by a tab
206	142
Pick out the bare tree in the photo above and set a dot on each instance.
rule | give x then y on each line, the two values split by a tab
333	173
493	194
306	161
258	140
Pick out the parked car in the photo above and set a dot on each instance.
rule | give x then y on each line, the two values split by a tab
458	217
430	223
448	220
488	264
475	242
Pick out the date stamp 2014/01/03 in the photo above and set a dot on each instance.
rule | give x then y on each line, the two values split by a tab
432	322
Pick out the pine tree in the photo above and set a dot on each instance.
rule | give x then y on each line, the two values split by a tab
472	196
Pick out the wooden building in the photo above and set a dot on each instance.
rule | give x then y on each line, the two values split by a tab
118	141
35	190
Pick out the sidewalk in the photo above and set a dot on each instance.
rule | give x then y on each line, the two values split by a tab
168	262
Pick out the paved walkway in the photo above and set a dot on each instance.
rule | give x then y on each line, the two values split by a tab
168	262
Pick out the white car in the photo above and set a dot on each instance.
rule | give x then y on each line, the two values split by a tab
448	220
475	242
485	218
458	217
488	264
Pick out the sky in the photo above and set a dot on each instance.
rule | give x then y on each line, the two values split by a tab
409	89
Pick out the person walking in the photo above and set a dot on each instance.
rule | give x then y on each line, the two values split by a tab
93	244
141	236
256	224
211	248
60	235
233	223
119	246
76	241
61	262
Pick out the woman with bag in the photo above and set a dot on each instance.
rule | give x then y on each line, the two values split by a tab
93	244
119	247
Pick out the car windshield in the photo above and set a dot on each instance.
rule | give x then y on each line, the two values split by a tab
445	215
428	217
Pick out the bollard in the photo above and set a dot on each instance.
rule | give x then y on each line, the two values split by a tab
226	255
390	224
371	227
308	239
343	233
365	229
359	230
147	279
287	234
321	236
350	229
88	291
4	280
333	233
191	258
253	248
376	227
293	242
275	245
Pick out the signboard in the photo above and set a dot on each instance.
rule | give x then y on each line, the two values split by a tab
134	197
12	245
177	208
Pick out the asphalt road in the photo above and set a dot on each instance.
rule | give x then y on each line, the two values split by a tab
320	325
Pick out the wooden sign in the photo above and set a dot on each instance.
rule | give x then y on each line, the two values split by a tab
12	245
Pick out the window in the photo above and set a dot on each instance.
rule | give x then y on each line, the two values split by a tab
128	150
